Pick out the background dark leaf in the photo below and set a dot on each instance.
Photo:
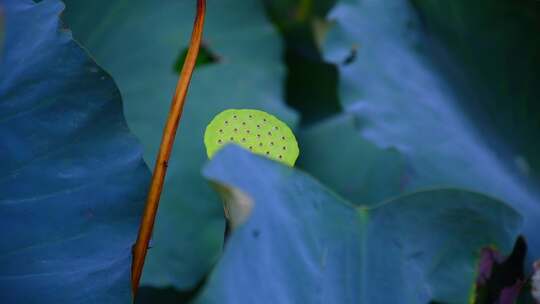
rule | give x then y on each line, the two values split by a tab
490	54
310	83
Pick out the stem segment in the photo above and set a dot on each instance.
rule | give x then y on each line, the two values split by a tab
169	132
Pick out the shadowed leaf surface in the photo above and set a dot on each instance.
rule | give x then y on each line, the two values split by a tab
355	168
72	178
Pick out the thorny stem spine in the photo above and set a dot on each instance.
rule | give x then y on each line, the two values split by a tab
169	132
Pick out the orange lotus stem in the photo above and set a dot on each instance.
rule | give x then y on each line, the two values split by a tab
169	132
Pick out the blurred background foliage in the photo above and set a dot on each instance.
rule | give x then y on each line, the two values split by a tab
390	101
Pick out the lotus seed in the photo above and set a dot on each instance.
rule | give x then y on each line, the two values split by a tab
238	121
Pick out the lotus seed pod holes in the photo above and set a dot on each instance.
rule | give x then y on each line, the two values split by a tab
254	130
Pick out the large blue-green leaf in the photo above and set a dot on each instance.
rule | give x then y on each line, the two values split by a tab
403	101
139	42
72	178
496	44
303	244
2	31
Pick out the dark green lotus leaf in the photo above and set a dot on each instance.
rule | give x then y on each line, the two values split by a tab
140	44
355	168
403	101
303	244
73	180
496	45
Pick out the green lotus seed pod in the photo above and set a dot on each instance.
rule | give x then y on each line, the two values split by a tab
255	130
